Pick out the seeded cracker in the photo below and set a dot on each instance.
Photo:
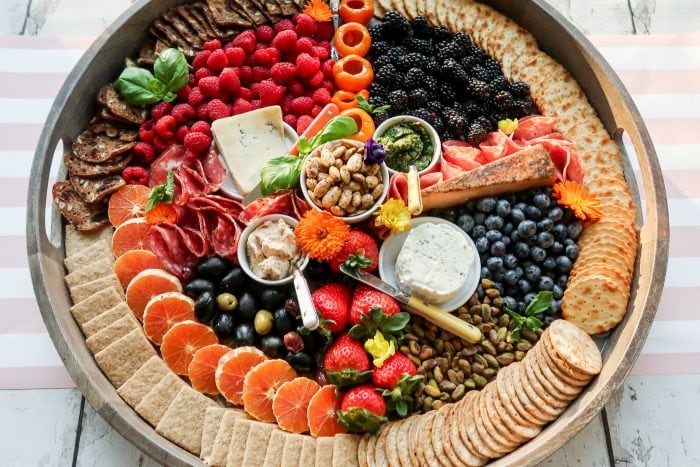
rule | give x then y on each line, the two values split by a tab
112	333
122	358
256	444
212	422
369	450
96	304
106	318
159	398
549	382
76	241
486	431
183	422
402	441
345	450
292	450
324	451
308	451
146	378
273	456
95	251
223	437
92	271
522	401
83	291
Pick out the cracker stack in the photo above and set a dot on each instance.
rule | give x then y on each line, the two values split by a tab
505	414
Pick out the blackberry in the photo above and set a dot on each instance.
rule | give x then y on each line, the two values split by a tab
418	97
421	27
471	110
377	101
469	61
385	75
492	67
504	100
414	78
422	113
431	84
455	122
398	99
499	83
379	48
476	134
523	108
479	89
376	31
397	25
480	73
446	92
421	46
382	61
436	106
437	122
486	123
376	89
454	71
381	116
462	40
476	51
431	65
520	89
447	50
396	54
441	34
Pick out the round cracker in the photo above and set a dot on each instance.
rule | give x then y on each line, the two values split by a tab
362	451
595	304
575	347
490	435
391	445
445	435
468	432
566	373
434	450
403	442
552	378
547	387
422	438
509	404
524	432
483	441
412	440
369	452
517	396
497	419
548	405
457	445
380	459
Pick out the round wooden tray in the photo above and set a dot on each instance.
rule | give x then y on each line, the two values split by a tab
74	106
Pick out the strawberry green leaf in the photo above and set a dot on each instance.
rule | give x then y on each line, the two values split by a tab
400	399
358	261
360	420
348	378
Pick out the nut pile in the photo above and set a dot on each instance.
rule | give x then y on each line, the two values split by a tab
339	181
452	367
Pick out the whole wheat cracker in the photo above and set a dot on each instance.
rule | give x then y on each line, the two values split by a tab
457	444
308	451
273	455
481	440
380	459
83	291
390	447
435	448
183	422
156	402
212	423
345	450
92	271
120	328
106	318
219	450
96	304
292	450
236	447
76	241
91	253
123	357
257	442
324	451
143	380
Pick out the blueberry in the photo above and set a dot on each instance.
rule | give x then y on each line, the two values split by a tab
545	239
557	248
532	273
510	261
503	208
486	204
555	214
545	225
524	285
521	206
499	275
562	280
546	283
574	230
506	240
559	231
482	244
522	250
498	248
549	263
529	297
479	218
527	229
510	278
557	292
494	264
518	271
508	228
450	215
493	222
493	235
485	273
478	231
563	264
514	236
572	252
537	254
567	242
465	222
533	212
517	215
541	201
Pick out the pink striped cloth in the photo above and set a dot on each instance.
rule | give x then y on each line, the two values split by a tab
661	72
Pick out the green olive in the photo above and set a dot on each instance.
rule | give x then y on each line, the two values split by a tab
227	301
263	322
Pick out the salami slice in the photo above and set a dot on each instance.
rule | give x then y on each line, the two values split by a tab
170	243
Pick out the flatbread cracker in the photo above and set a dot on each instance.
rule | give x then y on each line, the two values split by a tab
183	422
106	318
83	291
236	447
212	423
219	450
324	451
273	456
292	450
257	442
76	241
112	333
92	271
96	304
146	378
122	358
154	404
345	450
308	451
95	251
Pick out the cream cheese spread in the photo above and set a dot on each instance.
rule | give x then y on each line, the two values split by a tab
272	250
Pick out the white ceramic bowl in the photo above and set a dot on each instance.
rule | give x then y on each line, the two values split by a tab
349	219
434	138
243	256
389	252
228	187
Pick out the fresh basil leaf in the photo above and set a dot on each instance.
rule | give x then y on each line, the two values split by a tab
280	173
304	147
336	128
139	87
169	97
532	323
162	193
369	108
171	69
540	303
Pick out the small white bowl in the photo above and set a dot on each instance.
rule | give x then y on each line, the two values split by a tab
228	187
243	256
348	219
389	252
434	138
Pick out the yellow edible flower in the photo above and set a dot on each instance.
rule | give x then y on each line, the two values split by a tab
394	215
508	126
379	348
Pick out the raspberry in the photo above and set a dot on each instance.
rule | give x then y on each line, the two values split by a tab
326	45
203	111
266	57
135	176
212	45
270	93
320	53
183	113
285	103
217	60
191	81
197	142
321	96
241	106
264	33
146	132
235	56
284	41
195	97
245	40
183	93
283	25
307	65
209	86
303	45
160	109
229	81
201	127
295	88
301	105
254	89
245	73
316	110
260	73
324	31
328	84
144	153
283	72
290	120
217	109
246	94
256	103
200	59
305	25
316	80
327	68
160	144
203	72
303	123
181	132
165	127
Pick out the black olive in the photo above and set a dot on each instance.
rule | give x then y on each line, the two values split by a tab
313	341
212	268
223	326
244	334
272	346
271	298
247	307
205	306
301	361
283	321
232	281
196	287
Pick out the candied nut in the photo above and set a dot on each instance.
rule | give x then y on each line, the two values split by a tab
358	177
338	152
378	190
322	188
312	172
311	184
350	209
337	211
331	197
350	151
338	163
327	158
322	176
354	186
344	174
372	169
355	163
345	199
371	181
356	200
333	174
367	201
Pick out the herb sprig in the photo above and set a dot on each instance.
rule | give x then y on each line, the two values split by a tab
140	87
528	320
162	193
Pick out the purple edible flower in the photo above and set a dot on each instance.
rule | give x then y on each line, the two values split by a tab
374	152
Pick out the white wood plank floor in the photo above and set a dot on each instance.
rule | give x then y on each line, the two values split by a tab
652	420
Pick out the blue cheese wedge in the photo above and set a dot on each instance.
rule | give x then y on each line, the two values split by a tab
434	263
248	141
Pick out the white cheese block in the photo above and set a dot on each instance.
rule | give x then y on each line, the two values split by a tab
247	141
434	262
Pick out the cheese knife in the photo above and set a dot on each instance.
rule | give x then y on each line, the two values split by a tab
432	313
335	7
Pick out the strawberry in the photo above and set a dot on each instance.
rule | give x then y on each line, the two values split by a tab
333	302
362	409
346	363
391	327
360	249
397	376
365	298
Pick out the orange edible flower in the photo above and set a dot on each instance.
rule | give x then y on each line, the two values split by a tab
577	198
321	235
318	10
161	212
